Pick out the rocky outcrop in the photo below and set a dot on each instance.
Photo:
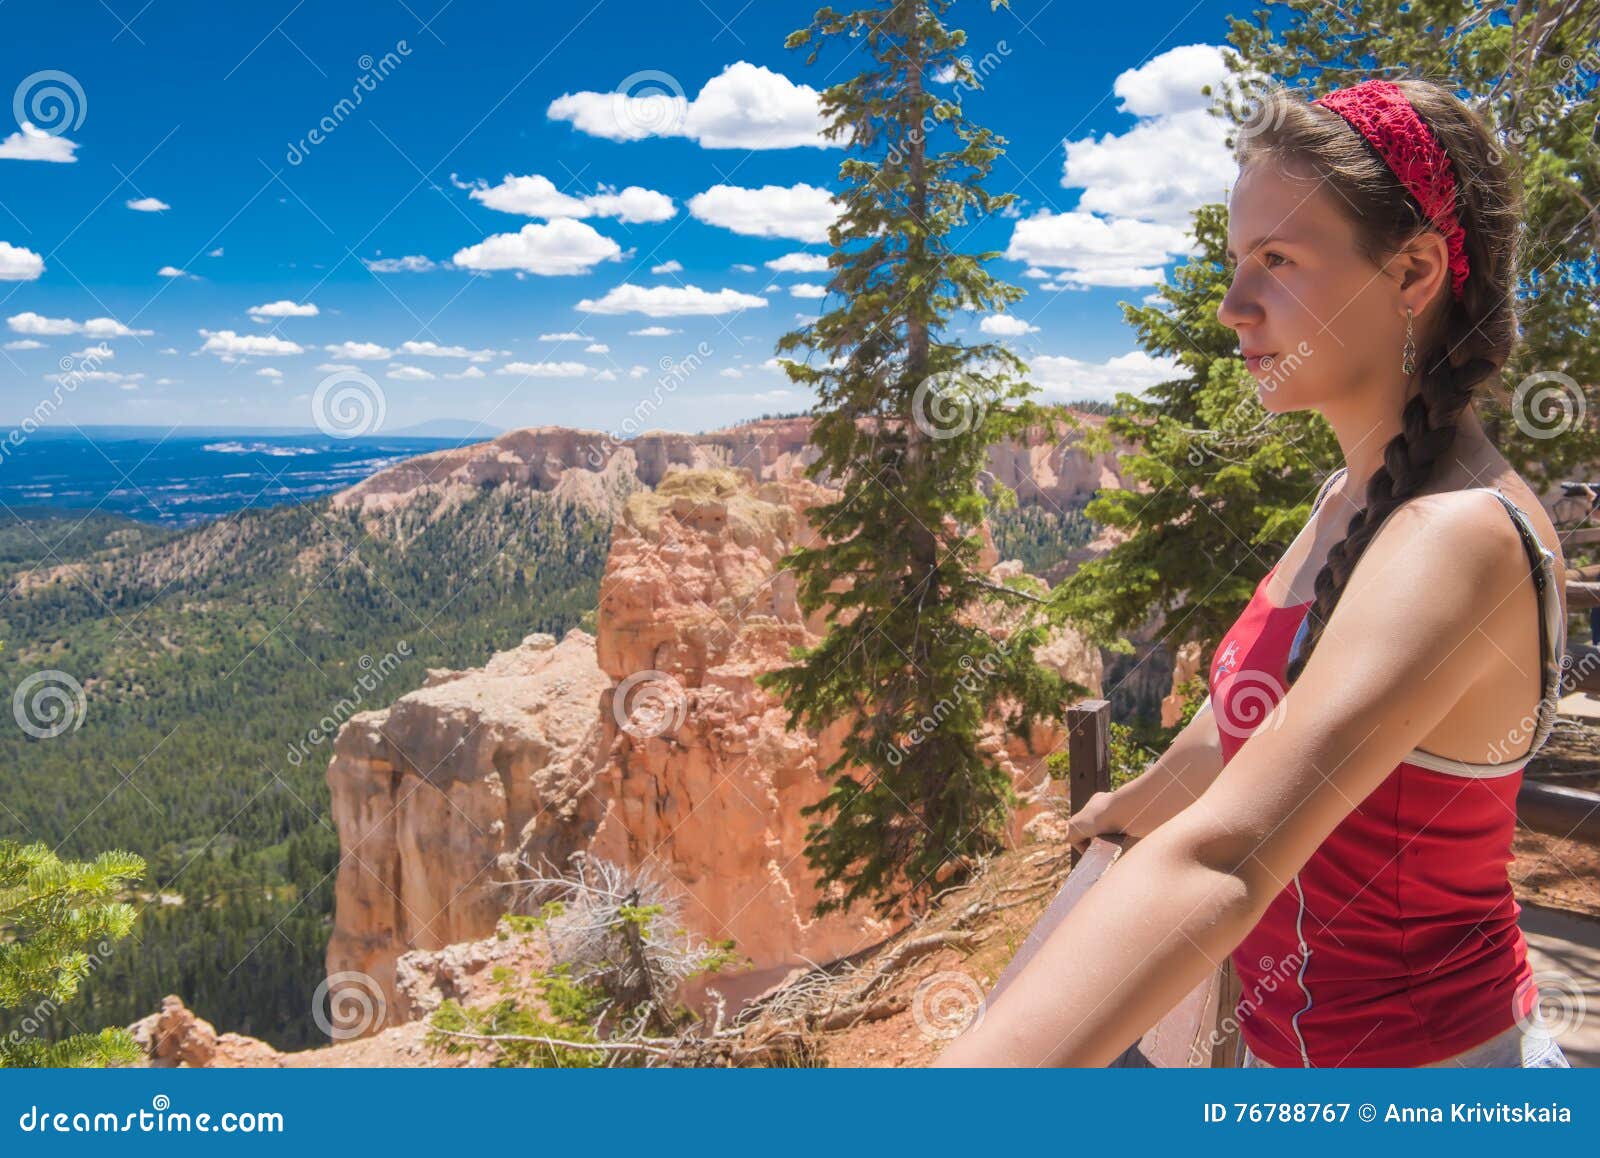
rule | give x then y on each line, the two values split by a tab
176	1037
1185	668
438	797
650	745
1047	466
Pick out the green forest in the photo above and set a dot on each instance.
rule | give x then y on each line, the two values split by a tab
203	656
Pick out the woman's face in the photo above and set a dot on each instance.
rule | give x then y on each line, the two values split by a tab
1318	321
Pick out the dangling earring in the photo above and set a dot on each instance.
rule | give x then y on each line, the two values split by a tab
1408	360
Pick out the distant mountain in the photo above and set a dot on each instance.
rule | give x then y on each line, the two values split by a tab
447	428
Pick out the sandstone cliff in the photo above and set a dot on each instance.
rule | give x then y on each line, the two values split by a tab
590	467
649	745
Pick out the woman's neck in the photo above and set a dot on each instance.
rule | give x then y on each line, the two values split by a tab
1363	443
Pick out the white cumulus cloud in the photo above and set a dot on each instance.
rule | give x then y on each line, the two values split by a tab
800	212
745	106
412	263
1006	326
230	347
1094	250
537	196
434	350
799	263
282	309
360	351
545	369
19	264
1131	215
561	247
148	205
32	323
670	301
31	144
1071	380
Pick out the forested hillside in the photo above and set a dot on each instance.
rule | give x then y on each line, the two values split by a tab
205	658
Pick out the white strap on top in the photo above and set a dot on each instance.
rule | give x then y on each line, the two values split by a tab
1552	648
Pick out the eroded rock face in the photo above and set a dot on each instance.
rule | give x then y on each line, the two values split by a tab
438	797
650	745
1047	466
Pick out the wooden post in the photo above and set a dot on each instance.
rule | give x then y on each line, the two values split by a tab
1088	752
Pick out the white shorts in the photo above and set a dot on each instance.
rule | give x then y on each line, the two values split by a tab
1521	1046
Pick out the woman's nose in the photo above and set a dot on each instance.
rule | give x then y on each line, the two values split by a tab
1236	309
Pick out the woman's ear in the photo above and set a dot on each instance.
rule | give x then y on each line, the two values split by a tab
1423	269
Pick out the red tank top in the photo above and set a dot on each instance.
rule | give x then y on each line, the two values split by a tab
1397	943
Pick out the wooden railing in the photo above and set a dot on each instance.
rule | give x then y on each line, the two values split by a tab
1200	1030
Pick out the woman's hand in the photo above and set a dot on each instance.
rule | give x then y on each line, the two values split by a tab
1090	821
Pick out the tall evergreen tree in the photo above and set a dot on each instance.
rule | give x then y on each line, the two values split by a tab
903	422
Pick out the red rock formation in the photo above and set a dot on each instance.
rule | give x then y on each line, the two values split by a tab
1047	466
437	796
650	745
176	1037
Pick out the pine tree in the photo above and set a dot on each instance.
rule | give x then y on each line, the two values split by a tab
903	422
57	919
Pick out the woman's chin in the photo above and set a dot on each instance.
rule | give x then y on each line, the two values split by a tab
1275	397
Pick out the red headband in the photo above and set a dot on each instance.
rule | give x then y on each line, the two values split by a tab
1380	112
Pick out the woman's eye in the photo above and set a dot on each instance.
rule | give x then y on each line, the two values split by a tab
1270	258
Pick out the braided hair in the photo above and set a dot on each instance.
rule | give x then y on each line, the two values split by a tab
1461	342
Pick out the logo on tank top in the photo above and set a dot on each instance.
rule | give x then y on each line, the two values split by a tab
1226	661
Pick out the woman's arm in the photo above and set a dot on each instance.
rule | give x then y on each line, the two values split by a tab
1404	643
1171	783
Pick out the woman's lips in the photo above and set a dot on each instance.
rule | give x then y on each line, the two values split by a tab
1256	362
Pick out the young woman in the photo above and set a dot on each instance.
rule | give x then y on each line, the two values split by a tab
1338	815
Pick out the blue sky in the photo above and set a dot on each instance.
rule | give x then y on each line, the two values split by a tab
194	230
